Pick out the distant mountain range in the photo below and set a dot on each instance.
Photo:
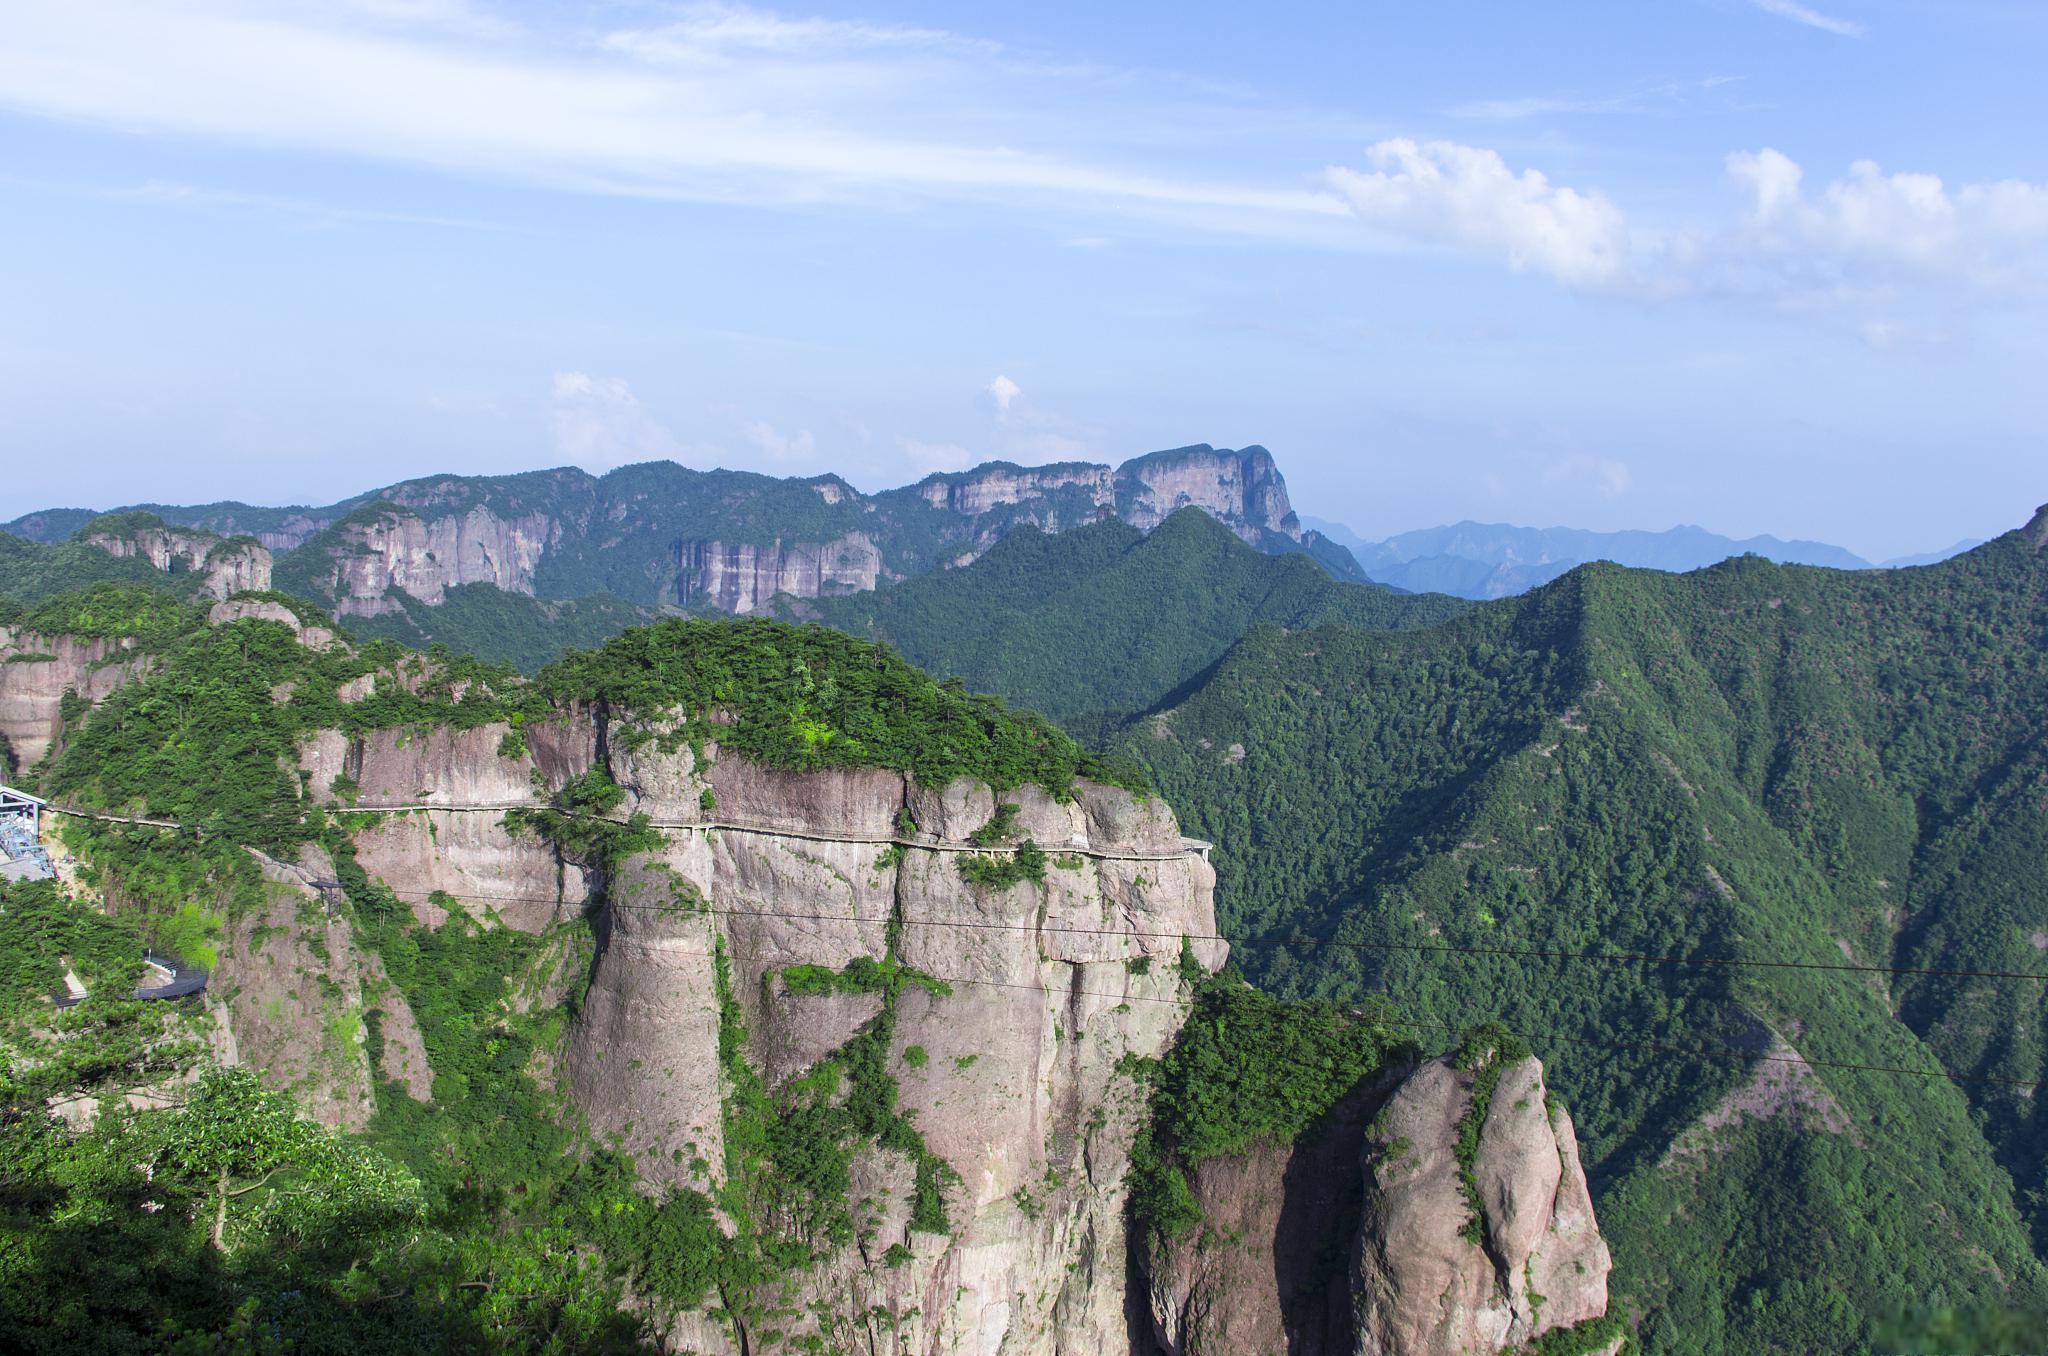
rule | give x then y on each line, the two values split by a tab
1498	560
662	535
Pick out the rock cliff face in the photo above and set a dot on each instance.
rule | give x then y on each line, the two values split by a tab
739	578
231	565
1007	1062
974	493
37	670
456	843
1243	490
423	556
1360	1239
294	990
664	535
1006	1055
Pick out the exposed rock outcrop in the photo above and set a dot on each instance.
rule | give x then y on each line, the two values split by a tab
230	564
1422	1285
296	991
313	637
974	493
1006	1062
423	556
37	670
739	577
1243	490
457	843
2037	528
1359	1238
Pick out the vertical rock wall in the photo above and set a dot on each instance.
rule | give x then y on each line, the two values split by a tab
1361	1238
37	670
1006	1062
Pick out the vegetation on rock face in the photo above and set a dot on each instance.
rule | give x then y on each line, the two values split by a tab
1755	762
1246	1069
805	697
504	628
1098	623
31	572
137	612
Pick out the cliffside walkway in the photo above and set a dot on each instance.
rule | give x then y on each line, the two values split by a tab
177	980
1188	846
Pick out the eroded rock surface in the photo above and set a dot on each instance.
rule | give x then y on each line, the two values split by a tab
231	565
1358	1238
37	670
1422	1285
1005	1052
296	991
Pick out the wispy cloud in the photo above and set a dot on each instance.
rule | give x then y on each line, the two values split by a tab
1812	18
1666	97
724	104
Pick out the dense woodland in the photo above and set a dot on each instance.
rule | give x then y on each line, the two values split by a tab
1467	814
1094	624
1752	763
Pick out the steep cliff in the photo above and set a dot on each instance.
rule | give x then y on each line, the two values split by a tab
990	1216
1243	490
385	547
738	577
38	671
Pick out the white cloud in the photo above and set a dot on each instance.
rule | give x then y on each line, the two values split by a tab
1882	227
781	449
1812	18
598	423
1026	431
1442	192
1003	392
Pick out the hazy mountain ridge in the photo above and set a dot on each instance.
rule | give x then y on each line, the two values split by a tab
1497	560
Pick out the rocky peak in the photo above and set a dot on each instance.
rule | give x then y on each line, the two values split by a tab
1243	489
2037	529
1434	1274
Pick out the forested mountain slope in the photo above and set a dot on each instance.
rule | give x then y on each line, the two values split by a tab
710	993
1093	625
1755	763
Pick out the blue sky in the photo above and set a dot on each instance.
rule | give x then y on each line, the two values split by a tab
1756	264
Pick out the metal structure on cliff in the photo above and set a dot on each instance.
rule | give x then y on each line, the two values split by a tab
22	856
